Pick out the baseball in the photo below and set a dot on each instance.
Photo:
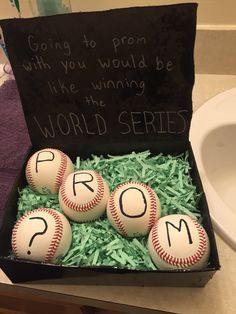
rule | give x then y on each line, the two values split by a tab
41	235
133	208
178	242
47	169
83	196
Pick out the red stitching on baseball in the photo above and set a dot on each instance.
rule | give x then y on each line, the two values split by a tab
13	238
153	206
60	173
114	213
86	206
29	176
180	262
61	170
56	237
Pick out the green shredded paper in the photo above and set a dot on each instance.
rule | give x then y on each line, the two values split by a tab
98	243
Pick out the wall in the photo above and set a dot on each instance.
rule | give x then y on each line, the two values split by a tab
210	12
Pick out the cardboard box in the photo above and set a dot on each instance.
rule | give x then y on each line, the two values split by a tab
101	83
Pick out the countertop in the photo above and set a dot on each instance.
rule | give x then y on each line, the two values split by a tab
218	296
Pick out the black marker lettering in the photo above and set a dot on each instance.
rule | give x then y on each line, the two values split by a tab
122	207
83	181
179	229
37	233
43	160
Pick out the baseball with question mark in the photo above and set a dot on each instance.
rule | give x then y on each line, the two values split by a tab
178	242
133	208
83	196
41	235
46	169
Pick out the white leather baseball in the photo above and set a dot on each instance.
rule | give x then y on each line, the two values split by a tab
178	242
41	235
133	208
47	169
83	196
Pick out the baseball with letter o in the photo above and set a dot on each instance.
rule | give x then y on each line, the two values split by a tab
41	235
178	242
83	196
47	169
133	208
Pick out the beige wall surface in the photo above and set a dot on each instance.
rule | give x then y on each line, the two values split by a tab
210	12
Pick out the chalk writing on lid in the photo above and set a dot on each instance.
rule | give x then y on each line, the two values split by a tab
112	75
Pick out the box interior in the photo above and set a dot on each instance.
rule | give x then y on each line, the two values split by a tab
16	269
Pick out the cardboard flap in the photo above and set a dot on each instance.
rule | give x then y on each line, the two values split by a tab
124	75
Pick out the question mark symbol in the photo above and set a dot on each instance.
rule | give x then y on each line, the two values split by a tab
38	233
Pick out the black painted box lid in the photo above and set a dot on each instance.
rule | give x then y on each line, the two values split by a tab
123	75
